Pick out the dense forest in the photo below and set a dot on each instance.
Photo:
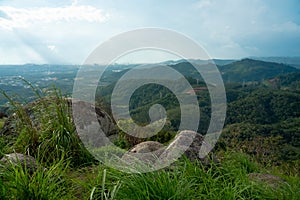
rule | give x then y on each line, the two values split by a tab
263	112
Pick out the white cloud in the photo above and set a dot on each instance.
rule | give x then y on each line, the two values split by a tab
22	18
74	2
67	31
51	47
204	4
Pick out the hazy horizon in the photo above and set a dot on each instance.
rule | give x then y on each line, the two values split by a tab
262	58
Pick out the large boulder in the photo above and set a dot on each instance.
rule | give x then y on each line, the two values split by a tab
146	147
84	118
25	161
189	141
192	142
147	152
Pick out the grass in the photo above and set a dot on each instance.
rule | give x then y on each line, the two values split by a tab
46	130
185	180
18	183
72	174
2	122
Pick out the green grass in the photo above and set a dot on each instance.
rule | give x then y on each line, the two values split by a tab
184	180
18	183
2	122
50	134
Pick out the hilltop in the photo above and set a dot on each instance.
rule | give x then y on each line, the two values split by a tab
248	70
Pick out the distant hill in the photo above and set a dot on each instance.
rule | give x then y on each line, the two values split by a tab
200	62
291	80
293	61
253	70
247	70
223	62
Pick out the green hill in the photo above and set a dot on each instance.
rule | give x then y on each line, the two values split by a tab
249	70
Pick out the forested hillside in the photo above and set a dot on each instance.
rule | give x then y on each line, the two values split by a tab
262	115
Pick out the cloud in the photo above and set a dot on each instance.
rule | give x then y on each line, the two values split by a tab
51	47
3	15
67	31
22	18
203	4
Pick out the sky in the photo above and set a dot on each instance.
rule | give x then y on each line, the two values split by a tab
66	32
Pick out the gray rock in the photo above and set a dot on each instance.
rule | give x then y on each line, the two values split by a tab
270	179
20	159
146	147
147	152
191	142
85	116
187	142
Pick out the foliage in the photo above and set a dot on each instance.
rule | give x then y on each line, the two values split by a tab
249	70
269	144
264	107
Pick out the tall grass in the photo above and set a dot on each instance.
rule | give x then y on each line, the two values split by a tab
158	185
58	134
46	131
28	135
183	180
194	181
18	182
2	123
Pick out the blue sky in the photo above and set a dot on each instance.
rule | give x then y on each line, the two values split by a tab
54	31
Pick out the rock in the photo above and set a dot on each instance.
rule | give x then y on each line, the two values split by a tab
146	152
146	147
270	179
196	141
84	118
17	158
150	151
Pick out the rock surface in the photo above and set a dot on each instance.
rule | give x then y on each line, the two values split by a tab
146	147
147	152
192	142
94	126
266	178
24	160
